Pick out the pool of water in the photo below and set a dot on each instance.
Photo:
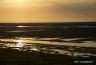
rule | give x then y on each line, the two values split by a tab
51	45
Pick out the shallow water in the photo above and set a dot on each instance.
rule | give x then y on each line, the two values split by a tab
65	40
86	49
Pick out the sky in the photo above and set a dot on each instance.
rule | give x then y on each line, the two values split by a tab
36	11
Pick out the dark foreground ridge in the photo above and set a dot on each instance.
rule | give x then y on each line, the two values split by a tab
14	57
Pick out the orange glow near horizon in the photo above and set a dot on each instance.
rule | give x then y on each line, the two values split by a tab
36	11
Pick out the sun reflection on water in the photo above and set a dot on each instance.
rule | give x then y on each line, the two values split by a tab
20	43
39	45
22	26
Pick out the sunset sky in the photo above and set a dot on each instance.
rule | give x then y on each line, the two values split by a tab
34	11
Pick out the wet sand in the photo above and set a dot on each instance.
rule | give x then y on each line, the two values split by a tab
47	44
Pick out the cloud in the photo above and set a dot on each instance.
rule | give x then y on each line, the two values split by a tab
78	6
49	10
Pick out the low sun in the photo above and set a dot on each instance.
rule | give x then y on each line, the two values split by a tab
12	3
18	1
21	3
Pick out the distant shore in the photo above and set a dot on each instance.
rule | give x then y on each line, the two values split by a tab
89	23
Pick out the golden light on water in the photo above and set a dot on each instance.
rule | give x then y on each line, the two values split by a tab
31	44
21	26
19	43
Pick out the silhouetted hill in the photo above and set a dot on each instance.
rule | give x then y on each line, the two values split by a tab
53	24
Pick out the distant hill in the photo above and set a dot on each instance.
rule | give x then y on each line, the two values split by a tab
51	24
